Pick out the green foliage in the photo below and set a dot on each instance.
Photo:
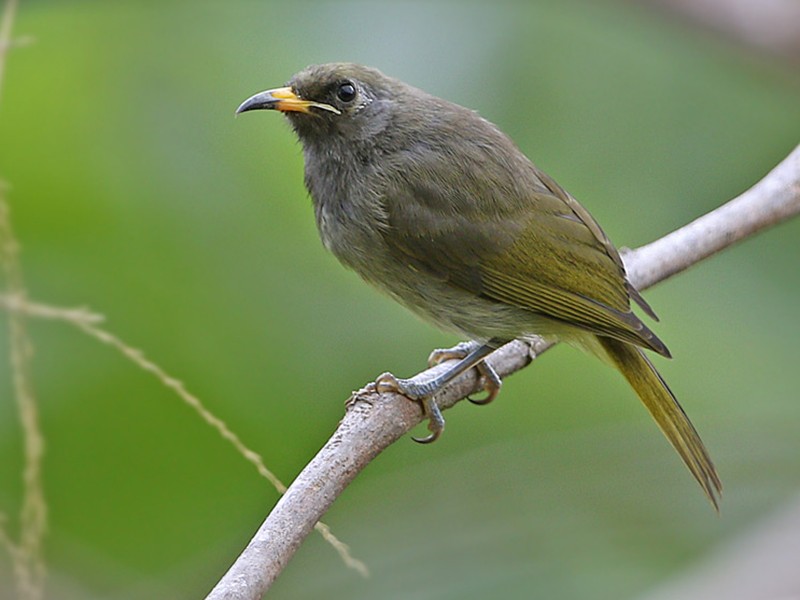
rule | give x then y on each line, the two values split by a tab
136	192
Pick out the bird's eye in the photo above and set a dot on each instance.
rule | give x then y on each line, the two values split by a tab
346	92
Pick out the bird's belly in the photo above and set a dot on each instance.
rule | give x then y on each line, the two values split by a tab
454	309
434	299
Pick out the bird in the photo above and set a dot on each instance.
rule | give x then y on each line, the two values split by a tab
438	208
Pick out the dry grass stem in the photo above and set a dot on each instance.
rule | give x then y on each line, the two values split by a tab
87	321
26	554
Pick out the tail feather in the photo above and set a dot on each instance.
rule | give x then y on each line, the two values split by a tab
668	414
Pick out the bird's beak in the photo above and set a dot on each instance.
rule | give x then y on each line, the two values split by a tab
283	99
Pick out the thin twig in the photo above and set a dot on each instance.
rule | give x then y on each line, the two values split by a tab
9	11
137	357
29	569
88	322
26	554
374	421
48	312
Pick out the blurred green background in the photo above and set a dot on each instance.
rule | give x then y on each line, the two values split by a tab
136	192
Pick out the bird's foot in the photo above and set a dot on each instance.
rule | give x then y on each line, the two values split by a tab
457	352
419	392
490	380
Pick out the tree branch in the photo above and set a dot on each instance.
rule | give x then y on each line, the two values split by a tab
771	26
761	562
374	421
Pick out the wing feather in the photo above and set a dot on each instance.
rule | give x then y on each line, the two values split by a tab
522	241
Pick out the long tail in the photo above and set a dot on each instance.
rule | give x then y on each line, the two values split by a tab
660	401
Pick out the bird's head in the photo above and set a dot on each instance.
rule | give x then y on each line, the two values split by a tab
336	99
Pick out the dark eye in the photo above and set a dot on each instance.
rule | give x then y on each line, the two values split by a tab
346	92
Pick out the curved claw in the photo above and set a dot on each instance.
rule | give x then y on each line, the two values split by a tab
435	420
386	382
492	394
428	438
491	383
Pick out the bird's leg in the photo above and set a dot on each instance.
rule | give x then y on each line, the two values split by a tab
470	354
491	380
